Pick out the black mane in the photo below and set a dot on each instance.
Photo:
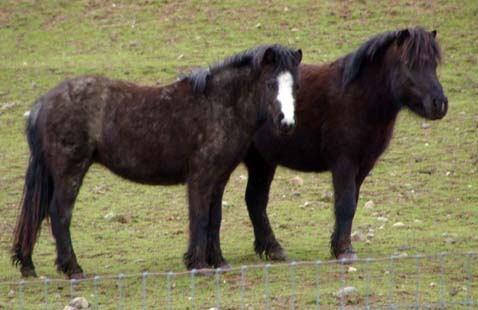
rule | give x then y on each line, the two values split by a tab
417	48
284	59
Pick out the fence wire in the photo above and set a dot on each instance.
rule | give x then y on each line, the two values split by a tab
440	281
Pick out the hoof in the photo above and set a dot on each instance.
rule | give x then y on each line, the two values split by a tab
276	254
28	272
347	258
76	276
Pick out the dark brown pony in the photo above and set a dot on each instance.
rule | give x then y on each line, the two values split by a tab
193	131
346	111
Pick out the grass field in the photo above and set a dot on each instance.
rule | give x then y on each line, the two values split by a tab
428	179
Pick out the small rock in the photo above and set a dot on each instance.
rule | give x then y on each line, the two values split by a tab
356	236
351	269
180	56
242	177
26	114
450	240
433	284
425	126
11	294
109	216
418	221
307	204
346	291
120	219
259	25
404	248
133	44
225	204
382	219
454	291
297	194
79	303
327	197
69	308
369	205
401	255
370	235
398	225
297	181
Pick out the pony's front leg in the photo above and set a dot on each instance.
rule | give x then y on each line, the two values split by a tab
199	195
259	182
214	253
344	179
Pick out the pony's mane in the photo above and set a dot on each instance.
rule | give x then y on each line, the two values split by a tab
284	58
417	48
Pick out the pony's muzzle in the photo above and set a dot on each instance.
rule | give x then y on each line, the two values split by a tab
286	127
440	106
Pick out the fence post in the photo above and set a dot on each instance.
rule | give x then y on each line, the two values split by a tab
342	279
120	291
20	294
417	290
243	286
218	288
145	293
367	281
317	279
392	281
292	284
47	281
95	290
468	280
266	279
72	289
193	299
442	281
168	296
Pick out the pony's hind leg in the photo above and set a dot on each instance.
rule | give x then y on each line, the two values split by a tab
257	195
67	181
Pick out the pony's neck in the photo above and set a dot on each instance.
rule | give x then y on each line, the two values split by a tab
376	82
242	91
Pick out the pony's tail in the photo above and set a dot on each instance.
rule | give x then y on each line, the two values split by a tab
36	197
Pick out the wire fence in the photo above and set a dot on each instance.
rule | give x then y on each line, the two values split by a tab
440	281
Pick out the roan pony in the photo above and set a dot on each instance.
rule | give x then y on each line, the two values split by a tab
345	112
193	131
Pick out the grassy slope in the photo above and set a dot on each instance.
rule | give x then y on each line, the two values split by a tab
429	175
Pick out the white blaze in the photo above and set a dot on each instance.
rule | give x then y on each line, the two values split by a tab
285	97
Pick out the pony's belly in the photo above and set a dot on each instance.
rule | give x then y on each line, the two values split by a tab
157	172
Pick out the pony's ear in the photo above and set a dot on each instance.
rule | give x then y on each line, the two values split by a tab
434	33
268	57
298	56
402	36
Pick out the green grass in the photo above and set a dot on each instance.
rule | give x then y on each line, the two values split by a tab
428	179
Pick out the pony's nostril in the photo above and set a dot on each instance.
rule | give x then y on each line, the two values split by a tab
281	116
